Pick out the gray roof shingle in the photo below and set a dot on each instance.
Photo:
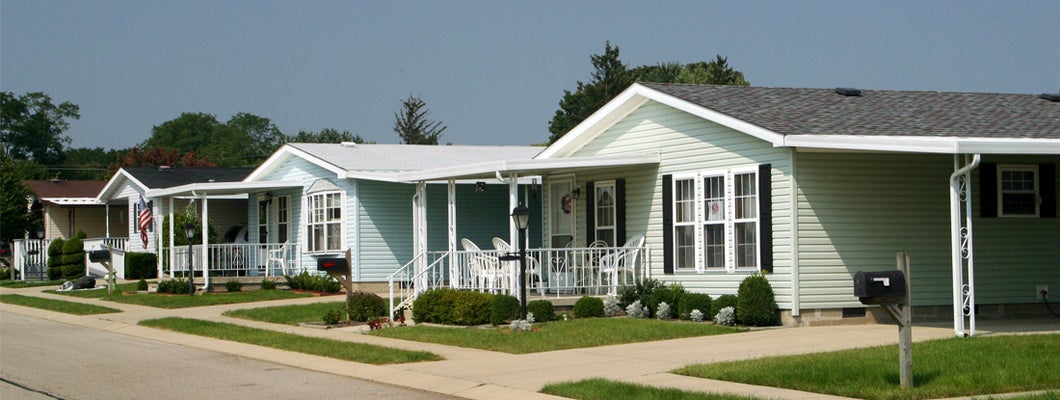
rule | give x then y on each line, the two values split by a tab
161	178
790	111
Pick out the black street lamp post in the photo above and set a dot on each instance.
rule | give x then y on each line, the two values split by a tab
189	231
521	217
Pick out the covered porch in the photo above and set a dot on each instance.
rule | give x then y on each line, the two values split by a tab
564	265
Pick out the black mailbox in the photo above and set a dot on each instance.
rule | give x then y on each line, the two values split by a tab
99	256
333	265
880	287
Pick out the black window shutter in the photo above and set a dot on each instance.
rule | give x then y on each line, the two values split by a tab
1047	189
988	190
765	214
668	223
620	212
590	213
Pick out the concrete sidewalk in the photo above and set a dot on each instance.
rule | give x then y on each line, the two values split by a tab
480	374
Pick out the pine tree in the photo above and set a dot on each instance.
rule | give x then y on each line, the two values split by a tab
412	124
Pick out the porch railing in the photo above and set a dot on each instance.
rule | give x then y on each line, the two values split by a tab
242	259
30	258
551	272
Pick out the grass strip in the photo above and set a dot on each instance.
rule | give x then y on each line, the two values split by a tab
24	284
125	293
68	307
289	314
349	351
941	368
603	389
558	335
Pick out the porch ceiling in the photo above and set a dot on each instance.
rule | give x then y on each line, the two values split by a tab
530	167
223	188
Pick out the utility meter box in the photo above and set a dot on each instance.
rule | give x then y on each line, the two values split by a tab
333	265
880	287
99	256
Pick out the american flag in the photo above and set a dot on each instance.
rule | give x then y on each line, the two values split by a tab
144	219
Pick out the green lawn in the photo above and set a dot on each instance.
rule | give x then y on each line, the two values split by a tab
24	284
602	389
558	335
68	307
181	301
941	368
349	351
288	315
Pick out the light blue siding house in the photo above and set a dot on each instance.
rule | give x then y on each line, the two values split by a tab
810	186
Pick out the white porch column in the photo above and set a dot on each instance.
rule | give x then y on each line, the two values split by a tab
205	243
420	236
454	266
106	208
962	255
513	233
172	244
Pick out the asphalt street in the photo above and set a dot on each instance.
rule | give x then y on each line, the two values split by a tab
41	359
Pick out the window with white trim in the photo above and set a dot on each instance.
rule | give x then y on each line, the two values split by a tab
715	220
324	225
1018	191
605	212
283	219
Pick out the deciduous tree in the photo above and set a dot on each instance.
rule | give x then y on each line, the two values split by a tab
326	135
32	127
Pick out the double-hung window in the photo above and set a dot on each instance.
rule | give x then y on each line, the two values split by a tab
325	221
605	212
716	220
1018	190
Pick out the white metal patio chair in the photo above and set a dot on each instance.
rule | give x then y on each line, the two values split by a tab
622	262
484	269
532	265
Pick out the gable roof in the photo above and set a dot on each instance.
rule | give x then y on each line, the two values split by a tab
789	111
147	178
63	192
385	161
877	120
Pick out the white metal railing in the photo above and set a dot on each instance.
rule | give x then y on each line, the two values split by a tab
405	283
112	243
241	259
30	257
557	272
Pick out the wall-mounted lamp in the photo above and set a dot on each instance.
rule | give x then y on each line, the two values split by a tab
577	193
480	186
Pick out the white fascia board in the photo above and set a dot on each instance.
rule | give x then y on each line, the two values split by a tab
935	145
115	182
631	99
71	201
221	188
597	122
286	152
533	166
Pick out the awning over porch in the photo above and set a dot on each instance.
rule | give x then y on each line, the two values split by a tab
542	166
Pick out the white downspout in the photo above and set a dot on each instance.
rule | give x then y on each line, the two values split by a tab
961	242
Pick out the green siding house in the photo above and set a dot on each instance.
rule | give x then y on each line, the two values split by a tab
810	186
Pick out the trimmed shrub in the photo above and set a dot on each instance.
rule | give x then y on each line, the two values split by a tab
55	249
588	307
452	307
268	284
693	301
330	285
641	290
141	285
72	261
725	300
542	309
755	304
234	286
332	317
173	286
141	266
504	308
671	295
364	306
316	283
55	273
72	271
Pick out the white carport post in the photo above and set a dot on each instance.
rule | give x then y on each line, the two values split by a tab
513	233
172	244
961	245
454	266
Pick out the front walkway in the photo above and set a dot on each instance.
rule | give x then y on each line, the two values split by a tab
480	374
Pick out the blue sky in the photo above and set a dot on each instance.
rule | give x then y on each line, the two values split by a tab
493	72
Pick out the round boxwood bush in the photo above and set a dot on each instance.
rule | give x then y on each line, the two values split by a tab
452	307
504	308
725	300
671	295
471	308
234	286
588	307
694	301
542	309
364	306
268	284
755	304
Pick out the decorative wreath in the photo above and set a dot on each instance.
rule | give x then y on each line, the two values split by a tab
566	202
